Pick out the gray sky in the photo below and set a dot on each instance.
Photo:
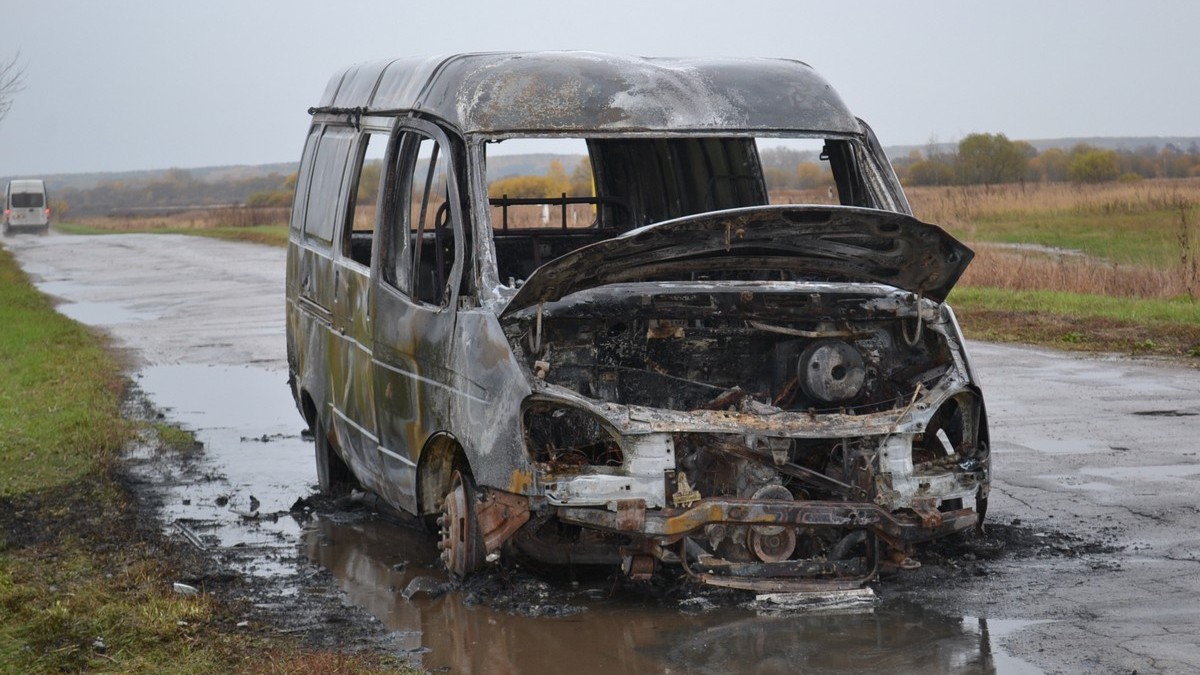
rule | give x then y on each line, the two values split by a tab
125	84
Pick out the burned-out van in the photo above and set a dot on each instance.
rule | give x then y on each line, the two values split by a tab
593	309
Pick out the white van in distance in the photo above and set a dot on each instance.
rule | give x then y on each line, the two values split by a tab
26	207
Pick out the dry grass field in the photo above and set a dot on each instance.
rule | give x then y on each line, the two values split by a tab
1139	240
1110	267
192	219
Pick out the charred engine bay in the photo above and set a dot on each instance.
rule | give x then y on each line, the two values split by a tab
825	351
842	351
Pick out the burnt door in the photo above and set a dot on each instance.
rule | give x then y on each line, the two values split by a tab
416	293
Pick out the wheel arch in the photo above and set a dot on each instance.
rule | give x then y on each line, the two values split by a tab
308	408
441	457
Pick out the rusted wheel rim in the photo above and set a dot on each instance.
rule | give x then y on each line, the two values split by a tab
459	543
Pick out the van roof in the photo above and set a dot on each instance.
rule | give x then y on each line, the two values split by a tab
556	92
27	185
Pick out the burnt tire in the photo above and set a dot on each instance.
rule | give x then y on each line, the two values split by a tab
462	547
334	478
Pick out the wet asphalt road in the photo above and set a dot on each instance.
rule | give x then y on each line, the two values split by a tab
1106	449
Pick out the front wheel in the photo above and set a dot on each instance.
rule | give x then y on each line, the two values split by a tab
463	550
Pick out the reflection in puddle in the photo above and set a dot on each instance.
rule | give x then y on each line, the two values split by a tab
83	304
102	313
375	561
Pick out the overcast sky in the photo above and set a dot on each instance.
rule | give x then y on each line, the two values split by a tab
122	84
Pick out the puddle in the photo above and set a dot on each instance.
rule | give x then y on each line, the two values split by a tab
254	463
375	561
1077	483
249	427
1156	473
1123	474
1068	446
103	313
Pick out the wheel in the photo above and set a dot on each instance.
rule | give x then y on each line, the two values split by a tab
463	550
334	478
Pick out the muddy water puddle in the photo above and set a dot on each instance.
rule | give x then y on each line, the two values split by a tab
251	466
594	628
235	499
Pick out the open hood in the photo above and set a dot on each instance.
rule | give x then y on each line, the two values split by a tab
821	243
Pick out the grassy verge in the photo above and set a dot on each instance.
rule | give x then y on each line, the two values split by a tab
59	392
273	235
85	583
1081	322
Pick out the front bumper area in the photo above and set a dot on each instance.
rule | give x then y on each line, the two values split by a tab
667	533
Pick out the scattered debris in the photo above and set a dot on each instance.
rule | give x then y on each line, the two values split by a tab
431	587
858	599
190	535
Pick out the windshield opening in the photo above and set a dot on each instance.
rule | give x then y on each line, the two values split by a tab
550	196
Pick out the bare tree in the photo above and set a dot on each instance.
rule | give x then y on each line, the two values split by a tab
12	80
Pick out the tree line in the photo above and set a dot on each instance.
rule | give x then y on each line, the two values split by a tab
176	188
989	159
978	159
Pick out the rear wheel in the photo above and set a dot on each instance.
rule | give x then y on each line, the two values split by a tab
334	478
463	550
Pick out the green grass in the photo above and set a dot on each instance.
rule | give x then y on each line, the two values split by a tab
60	392
1081	322
1134	310
173	438
1148	238
84	584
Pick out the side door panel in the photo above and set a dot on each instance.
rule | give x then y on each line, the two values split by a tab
351	370
416	295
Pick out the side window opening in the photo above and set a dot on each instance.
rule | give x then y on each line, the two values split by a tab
364	193
300	201
329	165
429	210
421	263
850	184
